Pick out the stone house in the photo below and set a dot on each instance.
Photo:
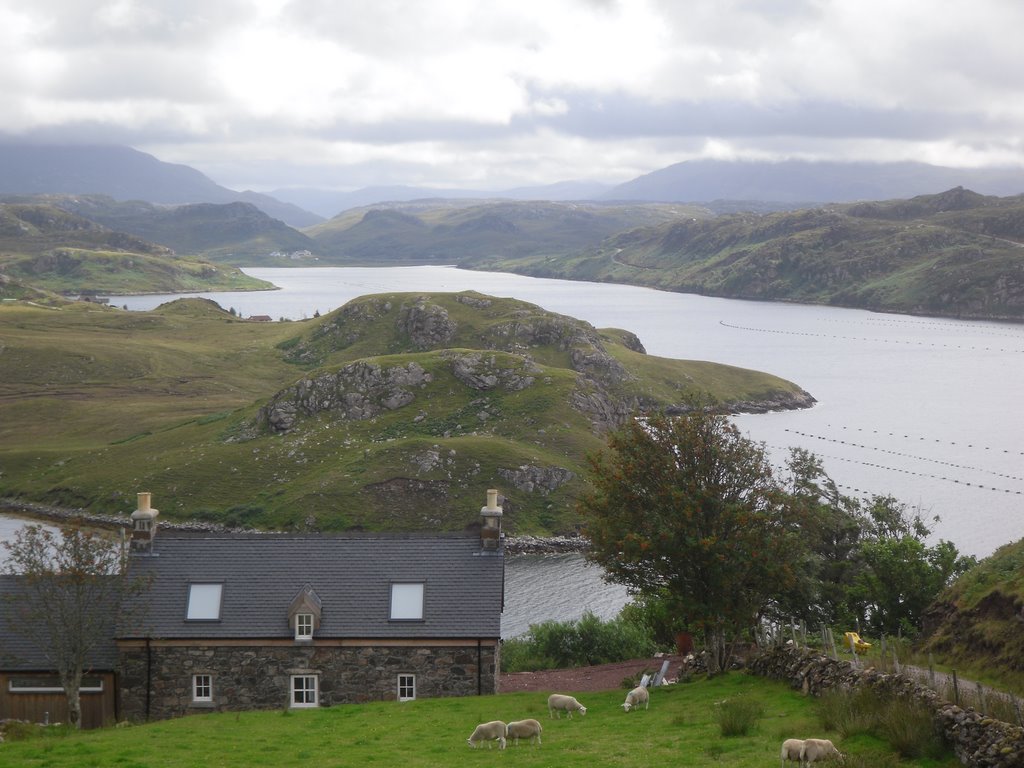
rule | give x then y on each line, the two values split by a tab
237	621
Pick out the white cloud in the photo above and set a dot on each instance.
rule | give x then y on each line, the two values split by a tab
499	91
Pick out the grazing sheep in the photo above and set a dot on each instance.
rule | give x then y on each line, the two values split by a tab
523	729
636	697
492	731
557	702
818	749
791	751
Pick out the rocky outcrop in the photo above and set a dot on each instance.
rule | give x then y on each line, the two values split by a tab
538	545
977	740
358	391
427	325
482	371
532	479
605	411
784	401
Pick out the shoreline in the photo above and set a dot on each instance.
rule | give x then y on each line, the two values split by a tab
31	510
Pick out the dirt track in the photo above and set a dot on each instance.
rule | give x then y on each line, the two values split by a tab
603	677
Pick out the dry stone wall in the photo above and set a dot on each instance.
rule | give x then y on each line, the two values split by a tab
977	740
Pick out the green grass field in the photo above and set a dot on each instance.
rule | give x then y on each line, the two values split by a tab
681	728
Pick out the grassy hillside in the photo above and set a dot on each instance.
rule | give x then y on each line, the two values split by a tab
443	232
680	728
976	623
957	254
48	249
395	411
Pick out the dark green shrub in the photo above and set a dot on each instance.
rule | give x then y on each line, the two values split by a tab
588	641
656	616
519	654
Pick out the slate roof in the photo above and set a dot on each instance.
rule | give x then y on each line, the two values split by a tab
351	573
20	652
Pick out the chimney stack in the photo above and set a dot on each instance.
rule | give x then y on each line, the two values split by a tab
490	517
144	524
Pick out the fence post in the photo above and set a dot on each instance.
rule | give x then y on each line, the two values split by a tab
1016	708
853	651
956	690
981	699
931	671
895	660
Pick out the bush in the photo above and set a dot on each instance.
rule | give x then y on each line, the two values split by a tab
657	618
910	728
738	716
559	644
519	654
907	726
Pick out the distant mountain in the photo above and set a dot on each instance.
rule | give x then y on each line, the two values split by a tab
330	203
439	232
123	173
796	181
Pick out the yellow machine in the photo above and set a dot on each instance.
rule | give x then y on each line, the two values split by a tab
852	638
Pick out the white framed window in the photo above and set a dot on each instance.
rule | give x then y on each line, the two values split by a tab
204	602
406	687
407	601
304	626
202	687
304	691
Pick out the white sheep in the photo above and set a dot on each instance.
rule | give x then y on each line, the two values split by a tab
791	751
523	729
492	731
636	697
558	701
818	749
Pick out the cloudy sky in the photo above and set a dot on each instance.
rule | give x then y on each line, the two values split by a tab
492	94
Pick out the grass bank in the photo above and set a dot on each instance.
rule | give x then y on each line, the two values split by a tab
681	728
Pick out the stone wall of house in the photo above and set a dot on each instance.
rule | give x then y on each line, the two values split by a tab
977	740
259	677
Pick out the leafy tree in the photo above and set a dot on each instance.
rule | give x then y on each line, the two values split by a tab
831	526
899	574
72	583
688	509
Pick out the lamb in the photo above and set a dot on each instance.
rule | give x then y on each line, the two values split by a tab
492	731
791	751
636	697
523	729
558	701
818	749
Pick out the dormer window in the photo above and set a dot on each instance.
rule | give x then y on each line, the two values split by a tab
304	626
304	613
